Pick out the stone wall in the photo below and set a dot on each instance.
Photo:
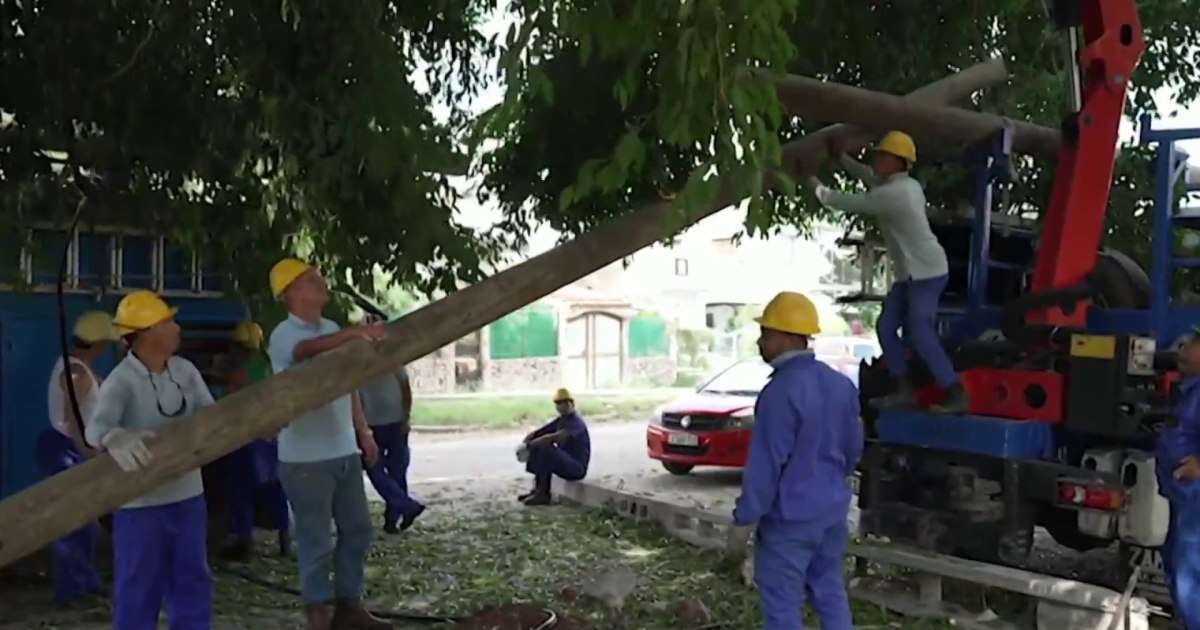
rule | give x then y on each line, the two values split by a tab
522	374
650	371
433	373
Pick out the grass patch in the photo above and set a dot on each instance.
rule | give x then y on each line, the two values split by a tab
507	412
459	566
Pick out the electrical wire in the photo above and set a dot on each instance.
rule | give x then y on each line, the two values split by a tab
62	324
384	614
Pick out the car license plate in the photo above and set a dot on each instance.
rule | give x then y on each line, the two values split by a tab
682	439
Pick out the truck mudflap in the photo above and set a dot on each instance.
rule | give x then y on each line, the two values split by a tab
1152	581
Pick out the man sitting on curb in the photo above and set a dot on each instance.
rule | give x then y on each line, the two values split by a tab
562	447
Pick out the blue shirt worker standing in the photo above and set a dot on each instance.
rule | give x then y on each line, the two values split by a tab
561	447
896	202
319	459
159	539
1177	461
807	440
62	446
387	404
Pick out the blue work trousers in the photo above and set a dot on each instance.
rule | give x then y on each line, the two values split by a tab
250	475
74	554
320	492
794	561
389	475
160	554
912	305
1181	560
545	461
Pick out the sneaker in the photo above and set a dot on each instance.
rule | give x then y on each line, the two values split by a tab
409	519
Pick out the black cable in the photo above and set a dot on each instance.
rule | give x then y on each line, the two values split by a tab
62	326
385	614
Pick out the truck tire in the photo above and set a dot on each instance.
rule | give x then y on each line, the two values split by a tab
678	469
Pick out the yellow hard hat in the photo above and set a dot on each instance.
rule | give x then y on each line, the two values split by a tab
249	334
140	310
563	395
95	327
790	313
285	273
900	145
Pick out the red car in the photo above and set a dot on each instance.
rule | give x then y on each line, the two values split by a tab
712	426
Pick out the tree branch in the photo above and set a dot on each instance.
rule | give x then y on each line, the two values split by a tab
137	52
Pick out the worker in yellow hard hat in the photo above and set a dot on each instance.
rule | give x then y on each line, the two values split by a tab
561	447
897	202
159	539
250	472
322	454
62	446
807	439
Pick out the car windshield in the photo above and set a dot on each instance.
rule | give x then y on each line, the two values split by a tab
745	378
863	351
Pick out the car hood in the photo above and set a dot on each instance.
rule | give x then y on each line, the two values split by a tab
714	404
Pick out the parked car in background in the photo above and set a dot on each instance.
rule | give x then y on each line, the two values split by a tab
712	426
845	353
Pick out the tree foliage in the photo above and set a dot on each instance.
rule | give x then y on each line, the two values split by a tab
251	128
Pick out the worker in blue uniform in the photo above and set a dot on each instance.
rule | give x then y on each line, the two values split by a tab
807	439
1177	462
387	404
561	447
250	473
62	446
159	542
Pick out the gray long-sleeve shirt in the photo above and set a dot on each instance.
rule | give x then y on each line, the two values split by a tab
898	204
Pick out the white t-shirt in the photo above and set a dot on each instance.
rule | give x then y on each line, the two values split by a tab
57	400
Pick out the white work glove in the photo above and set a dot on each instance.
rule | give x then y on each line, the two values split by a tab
523	453
824	194
128	448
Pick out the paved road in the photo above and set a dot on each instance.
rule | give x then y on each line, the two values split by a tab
475	467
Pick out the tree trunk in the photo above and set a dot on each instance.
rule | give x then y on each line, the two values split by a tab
70	499
879	112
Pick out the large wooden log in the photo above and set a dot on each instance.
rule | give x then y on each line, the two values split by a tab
833	102
70	499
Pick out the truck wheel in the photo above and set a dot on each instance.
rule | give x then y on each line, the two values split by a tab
1011	548
678	469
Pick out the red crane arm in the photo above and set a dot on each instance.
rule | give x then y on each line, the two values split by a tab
1112	44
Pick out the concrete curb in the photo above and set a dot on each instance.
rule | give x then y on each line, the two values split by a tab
448	428
1061	603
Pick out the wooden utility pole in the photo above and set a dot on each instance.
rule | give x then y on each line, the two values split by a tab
878	112
70	499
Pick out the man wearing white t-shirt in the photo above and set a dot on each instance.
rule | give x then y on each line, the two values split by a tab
62	446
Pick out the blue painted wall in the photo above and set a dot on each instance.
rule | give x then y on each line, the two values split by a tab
29	346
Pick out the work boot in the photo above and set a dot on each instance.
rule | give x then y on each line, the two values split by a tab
350	615
532	491
409	519
905	397
319	616
541	492
956	401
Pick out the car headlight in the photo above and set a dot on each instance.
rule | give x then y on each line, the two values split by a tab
743	419
656	417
